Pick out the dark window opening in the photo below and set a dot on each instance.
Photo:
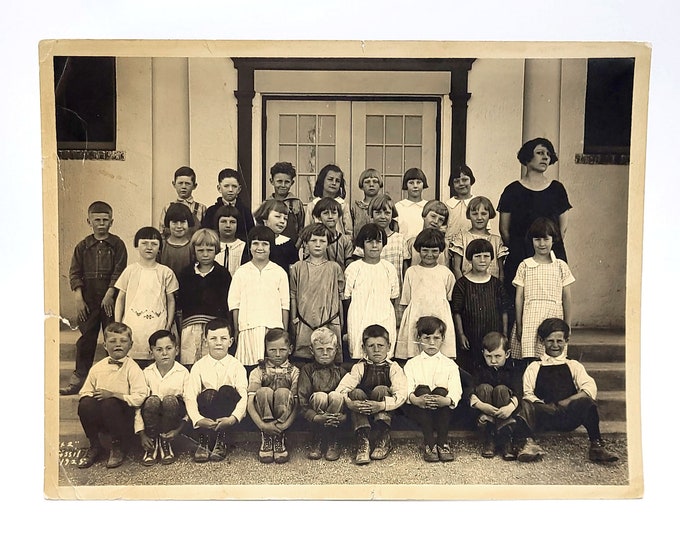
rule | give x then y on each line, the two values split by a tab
609	104
85	98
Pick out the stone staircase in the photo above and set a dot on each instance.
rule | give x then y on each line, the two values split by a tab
601	351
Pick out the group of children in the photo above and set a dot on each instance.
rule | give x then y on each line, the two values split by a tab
264	310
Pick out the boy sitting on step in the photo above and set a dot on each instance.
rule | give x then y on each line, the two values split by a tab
217	393
272	395
374	388
559	395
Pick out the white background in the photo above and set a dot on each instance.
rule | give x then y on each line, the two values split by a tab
21	312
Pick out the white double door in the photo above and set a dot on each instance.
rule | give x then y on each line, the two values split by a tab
389	136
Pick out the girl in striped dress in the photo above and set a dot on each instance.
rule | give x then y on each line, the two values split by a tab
479	306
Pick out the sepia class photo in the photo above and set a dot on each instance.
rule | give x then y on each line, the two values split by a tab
343	270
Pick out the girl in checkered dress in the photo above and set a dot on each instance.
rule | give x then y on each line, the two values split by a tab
542	290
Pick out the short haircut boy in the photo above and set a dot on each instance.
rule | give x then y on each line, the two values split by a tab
429	325
218	324
478	201
205	237
179	212
551	325
262	233
494	340
282	167
542	228
185	171
437	207
230	173
117	328
414	174
267	207
369	232
326	203
316	229
526	153
148	233
374	331
160	334
100	207
430	238
323	335
274	334
478	245
461	170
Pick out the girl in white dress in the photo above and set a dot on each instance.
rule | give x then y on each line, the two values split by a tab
427	290
371	289
146	293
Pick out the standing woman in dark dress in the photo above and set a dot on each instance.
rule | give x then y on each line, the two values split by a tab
528	198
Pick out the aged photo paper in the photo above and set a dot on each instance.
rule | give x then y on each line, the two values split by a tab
217	104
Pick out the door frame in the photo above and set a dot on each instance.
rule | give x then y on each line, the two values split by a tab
437	100
246	67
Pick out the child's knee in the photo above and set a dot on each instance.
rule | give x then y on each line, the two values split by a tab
421	390
357	394
501	395
484	392
319	401
335	402
152	404
439	391
380	392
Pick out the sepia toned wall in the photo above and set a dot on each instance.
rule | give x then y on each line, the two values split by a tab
179	111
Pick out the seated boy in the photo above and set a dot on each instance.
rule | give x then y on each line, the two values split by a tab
320	403
495	396
184	182
114	387
560	395
434	389
217	393
373	388
272	396
97	263
162	415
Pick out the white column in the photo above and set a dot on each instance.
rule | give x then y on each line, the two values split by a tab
170	113
542	96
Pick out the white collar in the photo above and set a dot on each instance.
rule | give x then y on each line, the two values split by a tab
552	360
531	263
281	239
197	271
407	203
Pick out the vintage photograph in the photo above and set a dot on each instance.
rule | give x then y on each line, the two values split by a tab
343	270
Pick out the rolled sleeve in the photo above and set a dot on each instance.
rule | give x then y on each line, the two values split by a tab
399	388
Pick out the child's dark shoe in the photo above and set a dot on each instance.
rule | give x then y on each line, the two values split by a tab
508	451
430	454
382	446
219	451
266	453
166	451
202	453
530	451
363	456
116	455
70	389
280	451
333	450
315	450
91	456
150	456
444	452
488	448
598	452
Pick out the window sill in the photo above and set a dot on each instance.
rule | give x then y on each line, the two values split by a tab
103	155
602	159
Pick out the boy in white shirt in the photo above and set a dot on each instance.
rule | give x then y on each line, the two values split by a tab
114	387
434	389
216	396
162	415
